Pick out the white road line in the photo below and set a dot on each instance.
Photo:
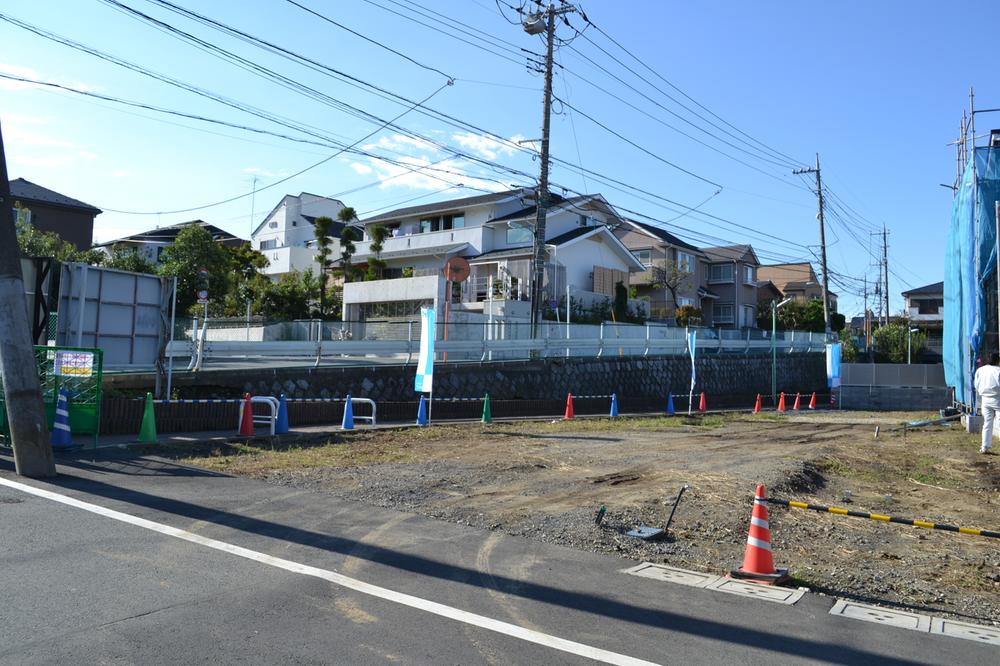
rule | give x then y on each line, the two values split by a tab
456	614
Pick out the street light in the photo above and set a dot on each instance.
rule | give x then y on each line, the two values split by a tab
909	337
774	353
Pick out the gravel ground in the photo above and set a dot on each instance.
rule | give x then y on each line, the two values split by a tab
546	481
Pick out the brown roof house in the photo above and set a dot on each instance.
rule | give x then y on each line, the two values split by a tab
676	272
50	211
732	275
795	280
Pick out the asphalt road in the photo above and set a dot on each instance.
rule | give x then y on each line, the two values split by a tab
231	570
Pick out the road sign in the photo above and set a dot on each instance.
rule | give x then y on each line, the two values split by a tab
202	296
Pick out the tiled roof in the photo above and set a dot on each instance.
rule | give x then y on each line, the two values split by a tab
169	233
25	189
936	288
450	204
663	234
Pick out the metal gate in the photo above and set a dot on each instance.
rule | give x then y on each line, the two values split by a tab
80	371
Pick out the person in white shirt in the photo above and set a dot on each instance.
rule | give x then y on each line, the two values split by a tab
987	384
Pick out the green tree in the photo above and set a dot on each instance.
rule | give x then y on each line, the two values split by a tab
375	263
126	258
248	282
688	315
193	249
620	306
33	242
849	352
669	276
324	242
291	297
890	343
347	250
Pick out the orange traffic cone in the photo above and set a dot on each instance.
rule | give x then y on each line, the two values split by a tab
758	563
812	401
756	405
569	406
702	406
781	402
246	423
796	406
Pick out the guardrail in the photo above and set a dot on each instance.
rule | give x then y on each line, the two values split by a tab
360	352
270	420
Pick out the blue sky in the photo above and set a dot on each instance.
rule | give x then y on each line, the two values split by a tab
877	89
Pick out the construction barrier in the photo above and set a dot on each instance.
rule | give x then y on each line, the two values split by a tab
926	524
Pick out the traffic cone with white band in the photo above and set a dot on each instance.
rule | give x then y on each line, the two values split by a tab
758	562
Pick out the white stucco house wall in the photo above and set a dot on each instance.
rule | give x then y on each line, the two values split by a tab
494	233
286	237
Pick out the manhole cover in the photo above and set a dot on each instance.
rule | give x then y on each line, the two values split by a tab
970	632
672	574
780	595
891	617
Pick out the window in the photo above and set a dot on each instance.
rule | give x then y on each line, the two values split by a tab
721	273
429	224
685	261
748	275
517	234
929	306
749	319
273	224
722	313
456	221
269	244
684	300
644	257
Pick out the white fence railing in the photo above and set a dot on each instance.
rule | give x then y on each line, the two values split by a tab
639	342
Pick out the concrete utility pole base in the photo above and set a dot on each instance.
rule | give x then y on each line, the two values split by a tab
22	397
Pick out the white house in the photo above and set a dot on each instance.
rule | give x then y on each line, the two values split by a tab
494	233
151	244
286	235
926	304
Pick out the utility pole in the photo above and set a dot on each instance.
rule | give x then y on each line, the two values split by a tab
885	262
23	398
534	24
822	243
865	311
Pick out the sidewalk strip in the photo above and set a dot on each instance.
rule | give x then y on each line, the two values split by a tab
419	603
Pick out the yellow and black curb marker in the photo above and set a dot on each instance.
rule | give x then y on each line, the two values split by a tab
887	519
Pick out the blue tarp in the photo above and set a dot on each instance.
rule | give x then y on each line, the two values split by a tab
970	260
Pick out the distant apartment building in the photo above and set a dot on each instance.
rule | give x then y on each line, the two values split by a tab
286	235
46	210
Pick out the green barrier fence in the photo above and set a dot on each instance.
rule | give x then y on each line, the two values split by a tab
79	370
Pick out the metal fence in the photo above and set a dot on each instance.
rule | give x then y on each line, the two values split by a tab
231	343
922	375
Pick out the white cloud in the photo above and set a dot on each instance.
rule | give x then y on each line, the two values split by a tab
17	70
51	161
402	143
86	155
121	173
411	173
484	146
264	173
360	168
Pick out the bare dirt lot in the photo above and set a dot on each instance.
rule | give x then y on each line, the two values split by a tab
545	481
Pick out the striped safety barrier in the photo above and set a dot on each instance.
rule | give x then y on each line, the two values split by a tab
926	524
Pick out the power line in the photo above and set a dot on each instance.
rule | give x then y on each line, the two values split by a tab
791	161
369	39
278	182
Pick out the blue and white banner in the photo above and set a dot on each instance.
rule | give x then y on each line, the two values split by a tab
833	365
424	381
692	345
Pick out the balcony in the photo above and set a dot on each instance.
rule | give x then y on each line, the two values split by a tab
288	258
423	244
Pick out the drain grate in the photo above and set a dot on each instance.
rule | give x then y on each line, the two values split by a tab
970	632
888	616
672	574
780	595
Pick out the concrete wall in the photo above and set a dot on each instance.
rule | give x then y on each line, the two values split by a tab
732	380
895	398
